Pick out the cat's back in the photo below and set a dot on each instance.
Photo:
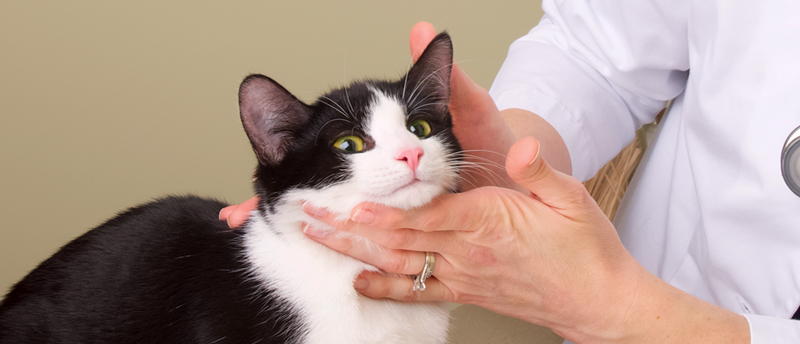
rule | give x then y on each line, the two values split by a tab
166	271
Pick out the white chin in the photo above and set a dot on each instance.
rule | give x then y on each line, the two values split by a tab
411	196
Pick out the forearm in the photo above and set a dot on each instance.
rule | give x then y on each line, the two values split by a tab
668	315
645	309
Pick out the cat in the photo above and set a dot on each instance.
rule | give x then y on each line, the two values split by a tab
170	272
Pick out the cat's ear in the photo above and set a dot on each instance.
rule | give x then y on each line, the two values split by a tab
271	116
431	74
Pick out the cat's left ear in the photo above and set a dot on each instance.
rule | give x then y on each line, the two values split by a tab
271	116
431	74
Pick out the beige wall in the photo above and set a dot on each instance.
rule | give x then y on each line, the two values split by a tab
107	104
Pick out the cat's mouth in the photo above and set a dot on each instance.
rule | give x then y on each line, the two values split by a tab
412	184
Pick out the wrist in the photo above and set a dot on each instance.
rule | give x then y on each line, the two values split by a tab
649	310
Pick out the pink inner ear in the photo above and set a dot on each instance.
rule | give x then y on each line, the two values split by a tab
410	156
269	115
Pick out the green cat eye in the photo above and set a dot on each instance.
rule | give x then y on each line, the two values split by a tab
349	143
420	127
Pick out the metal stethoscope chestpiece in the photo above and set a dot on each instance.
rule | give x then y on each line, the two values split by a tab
790	161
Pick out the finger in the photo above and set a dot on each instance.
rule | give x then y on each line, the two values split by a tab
237	215
421	34
391	233
381	286
526	167
449	212
388	260
223	214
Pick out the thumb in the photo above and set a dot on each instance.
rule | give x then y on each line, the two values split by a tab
527	167
464	93
421	35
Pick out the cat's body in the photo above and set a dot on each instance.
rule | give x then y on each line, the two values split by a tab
117	284
170	272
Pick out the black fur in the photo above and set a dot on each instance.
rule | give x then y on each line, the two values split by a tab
169	271
165	272
308	140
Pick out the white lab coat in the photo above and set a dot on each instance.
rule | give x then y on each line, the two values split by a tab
708	210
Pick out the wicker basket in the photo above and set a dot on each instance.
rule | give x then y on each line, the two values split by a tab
609	184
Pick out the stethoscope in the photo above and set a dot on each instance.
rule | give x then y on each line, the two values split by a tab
790	161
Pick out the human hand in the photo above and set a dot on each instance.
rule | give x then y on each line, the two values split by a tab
236	215
496	248
549	257
477	123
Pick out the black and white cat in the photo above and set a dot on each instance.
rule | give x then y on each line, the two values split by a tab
170	272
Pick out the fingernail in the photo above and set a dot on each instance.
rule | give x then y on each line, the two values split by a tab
535	156
363	216
361	283
314	211
223	214
314	231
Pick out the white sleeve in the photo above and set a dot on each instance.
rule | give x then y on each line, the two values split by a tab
597	71
769	330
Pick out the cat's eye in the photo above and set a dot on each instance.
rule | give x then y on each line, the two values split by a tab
349	143
420	127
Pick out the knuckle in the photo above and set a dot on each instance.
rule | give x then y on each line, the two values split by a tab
398	239
395	263
482	256
409	295
391	219
461	298
344	243
433	223
382	290
576	190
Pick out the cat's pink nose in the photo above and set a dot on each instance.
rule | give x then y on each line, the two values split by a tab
411	157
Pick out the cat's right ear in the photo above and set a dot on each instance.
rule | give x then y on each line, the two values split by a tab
271	117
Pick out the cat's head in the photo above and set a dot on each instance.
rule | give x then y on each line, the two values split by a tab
378	141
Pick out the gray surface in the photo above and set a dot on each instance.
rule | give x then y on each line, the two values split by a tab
474	325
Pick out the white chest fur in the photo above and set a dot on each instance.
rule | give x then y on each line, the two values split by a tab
318	282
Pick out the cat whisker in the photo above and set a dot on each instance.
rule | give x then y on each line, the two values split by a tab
473	171
316	138
336	106
344	77
349	104
464	179
419	108
481	166
437	78
470	151
470	155
486	163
